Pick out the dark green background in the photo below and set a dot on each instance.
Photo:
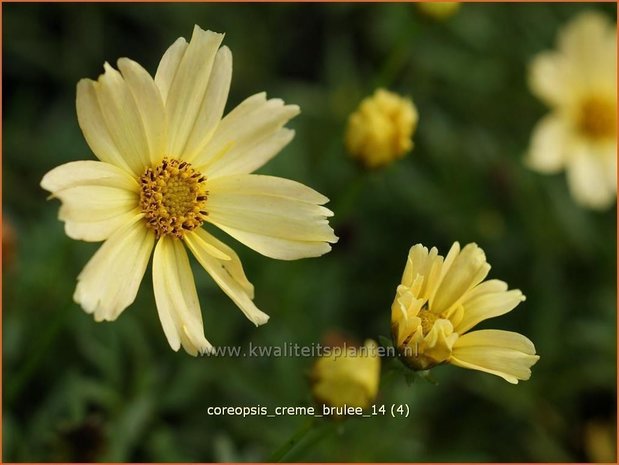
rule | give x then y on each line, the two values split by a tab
75	390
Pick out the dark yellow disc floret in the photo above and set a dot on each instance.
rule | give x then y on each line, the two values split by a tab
173	198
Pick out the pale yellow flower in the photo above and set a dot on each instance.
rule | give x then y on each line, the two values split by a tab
439	10
349	377
440	300
578	82
381	129
169	164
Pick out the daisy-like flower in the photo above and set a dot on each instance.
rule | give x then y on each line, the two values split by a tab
578	81
347	376
169	165
380	131
440	300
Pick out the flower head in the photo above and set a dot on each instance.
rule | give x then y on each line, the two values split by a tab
578	82
349	376
441	299
381	129
169	166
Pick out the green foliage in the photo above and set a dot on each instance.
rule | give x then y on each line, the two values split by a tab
76	390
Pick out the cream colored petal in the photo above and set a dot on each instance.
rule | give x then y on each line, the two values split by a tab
110	281
550	78
149	105
88	173
589	41
487	305
228	274
276	217
213	105
97	197
247	138
176	297
501	353
549	145
94	127
465	270
168	66
96	231
123	119
588	178
185	95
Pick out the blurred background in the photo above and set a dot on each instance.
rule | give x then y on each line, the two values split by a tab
76	390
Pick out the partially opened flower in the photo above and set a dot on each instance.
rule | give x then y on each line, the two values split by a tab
380	131
578	81
347	376
441	299
169	165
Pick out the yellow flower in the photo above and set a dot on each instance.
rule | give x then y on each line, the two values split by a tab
381	129
169	164
348	376
440	300
578	82
439	10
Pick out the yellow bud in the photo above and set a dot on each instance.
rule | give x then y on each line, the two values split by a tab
347	376
381	129
439	10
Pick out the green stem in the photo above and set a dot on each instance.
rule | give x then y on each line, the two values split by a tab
285	448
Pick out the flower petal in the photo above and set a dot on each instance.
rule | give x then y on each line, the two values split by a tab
227	273
110	280
588	178
121	117
489	304
149	105
549	140
502	353
97	198
212	107
176	297
184	80
248	137
464	270
277	217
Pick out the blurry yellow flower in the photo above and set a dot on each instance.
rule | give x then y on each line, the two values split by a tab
600	441
440	300
439	10
348	376
381	129
578	82
168	164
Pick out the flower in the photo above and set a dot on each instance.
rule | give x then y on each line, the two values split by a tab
440	300
381	129
347	376
439	10
578	82
169	164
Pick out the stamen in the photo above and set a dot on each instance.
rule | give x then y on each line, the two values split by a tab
173	198
598	118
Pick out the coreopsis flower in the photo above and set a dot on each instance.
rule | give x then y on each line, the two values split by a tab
441	299
578	81
169	166
347	376
381	129
439	10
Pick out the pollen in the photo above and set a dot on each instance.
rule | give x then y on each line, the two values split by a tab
427	320
173	198
598	118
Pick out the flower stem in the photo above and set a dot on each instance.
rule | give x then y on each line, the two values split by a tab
291	443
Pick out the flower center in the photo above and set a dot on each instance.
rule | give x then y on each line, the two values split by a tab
598	118
173	198
427	320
